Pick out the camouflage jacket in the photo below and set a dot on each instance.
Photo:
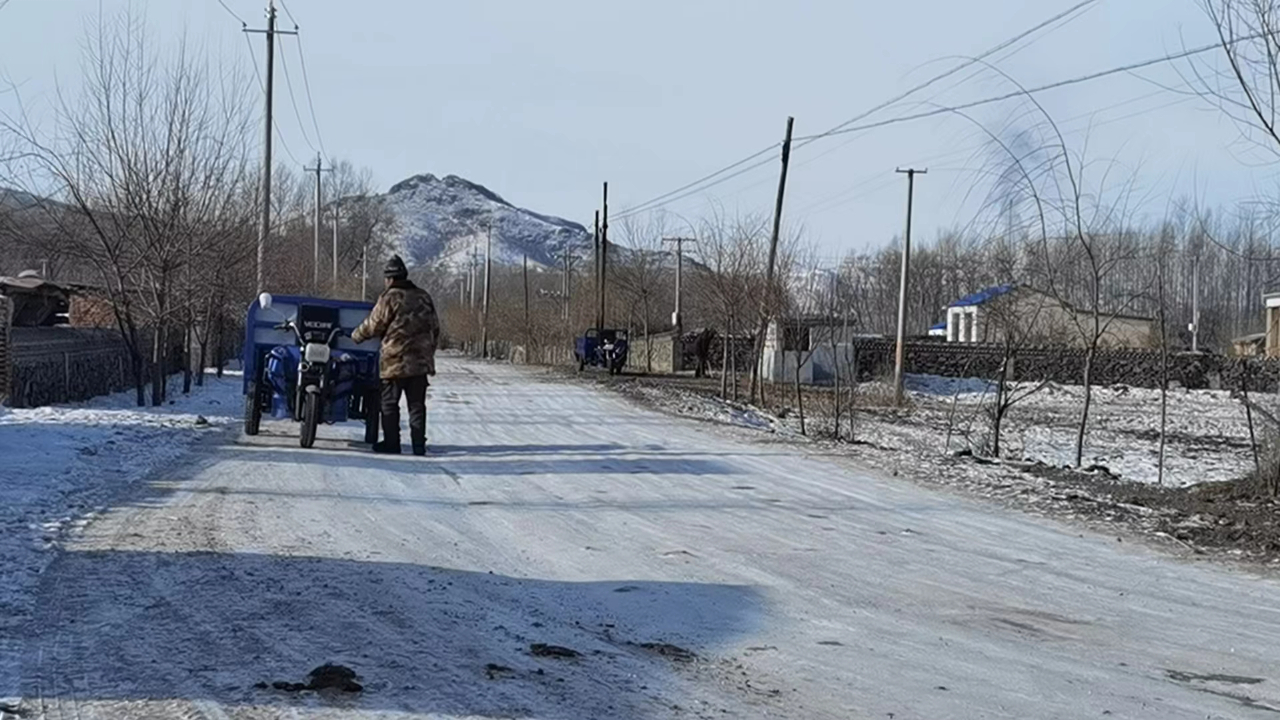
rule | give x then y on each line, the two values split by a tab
405	318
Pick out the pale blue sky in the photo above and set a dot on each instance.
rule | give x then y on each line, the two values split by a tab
541	101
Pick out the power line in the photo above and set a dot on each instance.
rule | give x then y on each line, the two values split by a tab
293	100
653	203
1026	92
285	7
1015	51
262	86
826	203
695	190
838	129
306	80
230	12
667	198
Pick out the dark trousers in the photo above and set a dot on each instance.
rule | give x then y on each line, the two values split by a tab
415	392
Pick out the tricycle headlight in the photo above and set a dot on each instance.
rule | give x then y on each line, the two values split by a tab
316	353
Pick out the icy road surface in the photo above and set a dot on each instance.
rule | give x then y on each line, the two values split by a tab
554	514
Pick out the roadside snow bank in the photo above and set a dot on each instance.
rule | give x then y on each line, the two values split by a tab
59	465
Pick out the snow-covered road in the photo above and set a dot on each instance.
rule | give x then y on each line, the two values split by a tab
555	514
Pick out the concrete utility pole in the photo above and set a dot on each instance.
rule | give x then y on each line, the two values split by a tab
265	228
488	267
1195	304
758	355
315	268
900	350
335	246
364	270
677	317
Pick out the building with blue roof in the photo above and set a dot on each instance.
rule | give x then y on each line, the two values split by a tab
1040	318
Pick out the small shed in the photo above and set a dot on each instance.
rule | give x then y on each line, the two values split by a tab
36	302
1249	345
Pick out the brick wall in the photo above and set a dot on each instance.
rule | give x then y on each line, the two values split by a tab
1137	368
659	348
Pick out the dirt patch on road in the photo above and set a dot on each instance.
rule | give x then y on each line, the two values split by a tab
325	677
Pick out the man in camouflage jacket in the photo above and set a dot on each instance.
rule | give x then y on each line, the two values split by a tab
405	318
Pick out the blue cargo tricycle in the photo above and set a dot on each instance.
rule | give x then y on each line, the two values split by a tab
602	348
301	364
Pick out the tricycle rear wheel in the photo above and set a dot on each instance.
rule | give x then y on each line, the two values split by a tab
252	410
310	419
372	411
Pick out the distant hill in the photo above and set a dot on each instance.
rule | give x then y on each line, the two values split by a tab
441	220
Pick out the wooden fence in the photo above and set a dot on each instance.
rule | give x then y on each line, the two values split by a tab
62	364
6	352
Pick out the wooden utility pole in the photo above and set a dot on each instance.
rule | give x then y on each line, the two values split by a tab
488	267
315	268
264	230
527	334
599	276
566	285
604	257
767	301
472	280
677	317
900	349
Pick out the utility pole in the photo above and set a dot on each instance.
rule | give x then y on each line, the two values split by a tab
758	355
473	267
528	336
364	270
335	246
315	268
488	266
565	286
599	276
677	317
900	350
604	256
265	228
1195	304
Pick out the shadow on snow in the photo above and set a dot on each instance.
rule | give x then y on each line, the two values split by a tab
150	627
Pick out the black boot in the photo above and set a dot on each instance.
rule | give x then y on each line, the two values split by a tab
420	449
387	447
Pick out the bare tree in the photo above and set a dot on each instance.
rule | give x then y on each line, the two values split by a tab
1016	321
640	271
797	330
733	252
1079	235
150	164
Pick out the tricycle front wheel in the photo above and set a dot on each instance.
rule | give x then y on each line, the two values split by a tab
310	419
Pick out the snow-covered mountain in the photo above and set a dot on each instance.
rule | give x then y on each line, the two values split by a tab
442	220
